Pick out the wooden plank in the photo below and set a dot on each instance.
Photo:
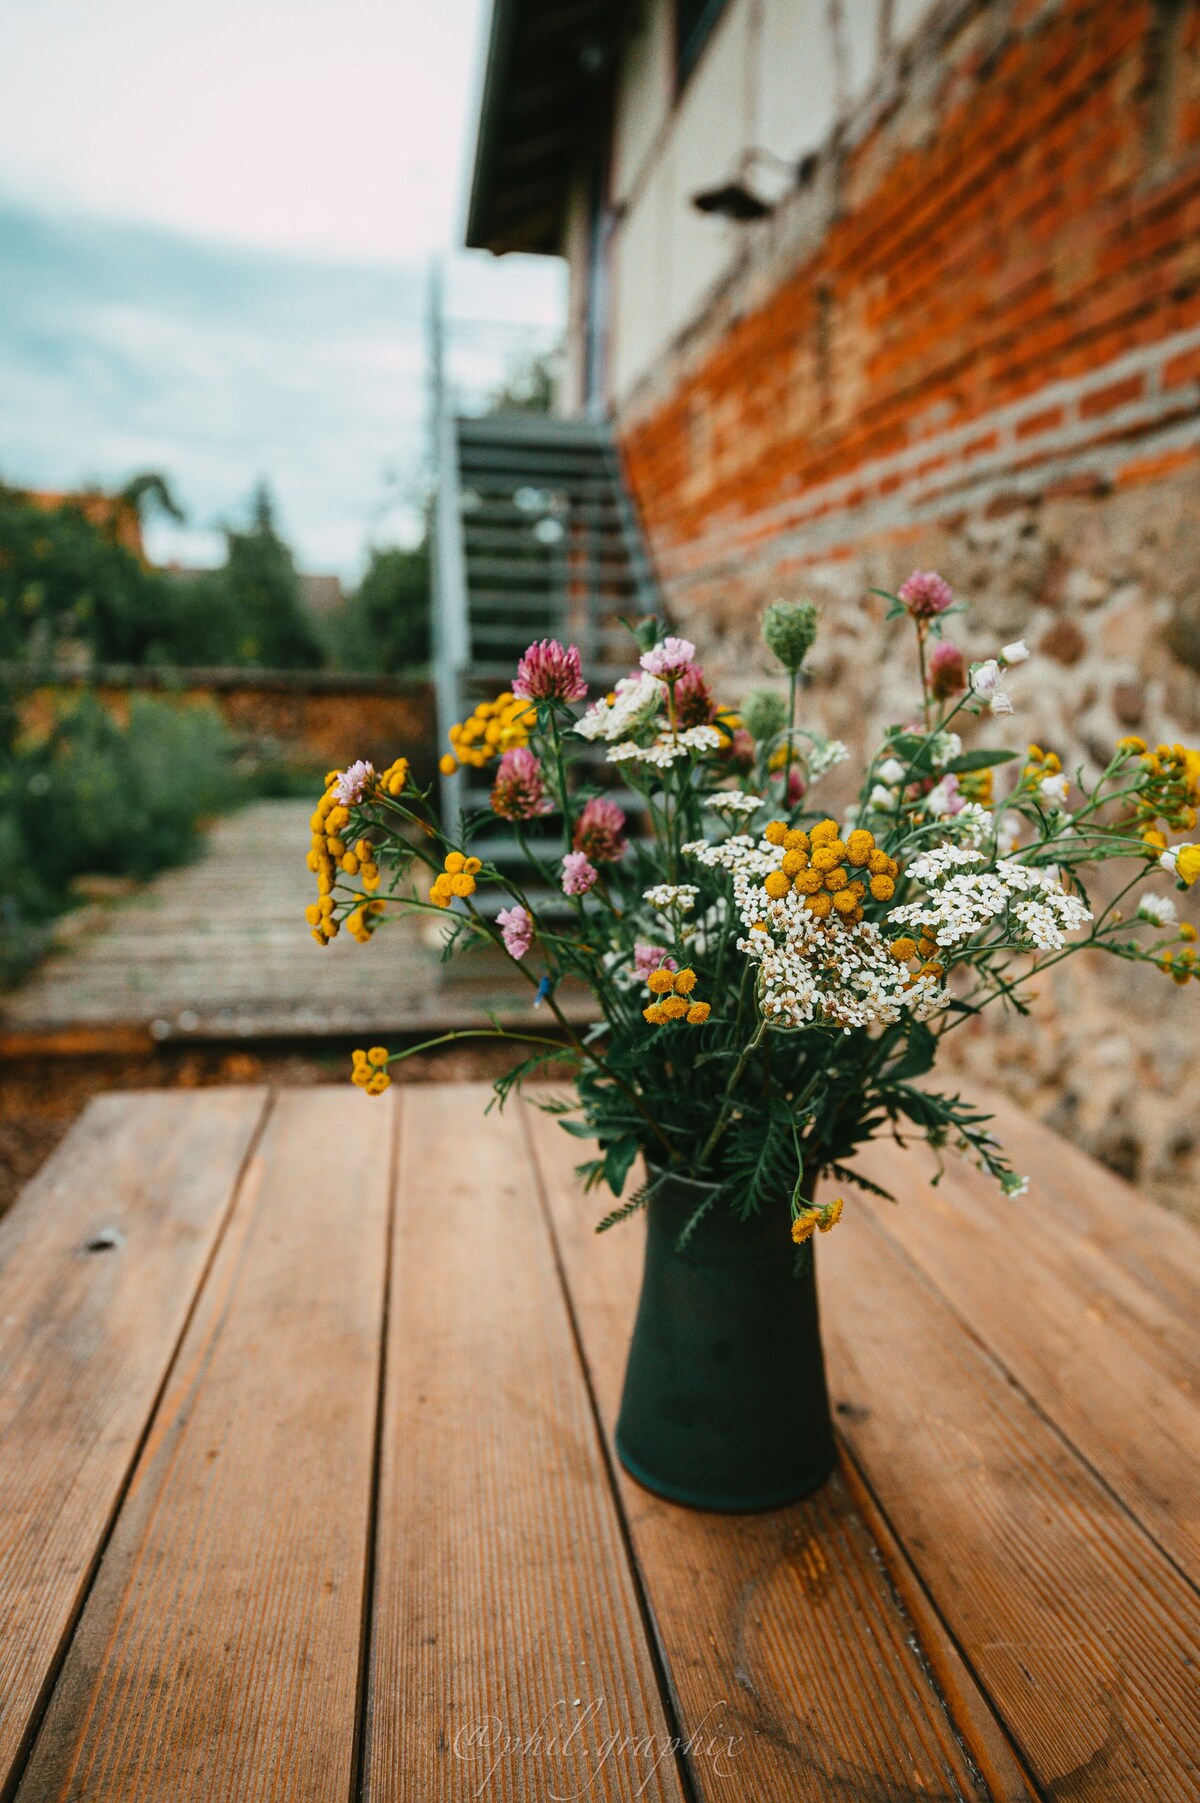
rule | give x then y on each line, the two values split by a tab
1108	1360
1159	1248
781	1630
85	1341
1084	1637
218	1656
508	1647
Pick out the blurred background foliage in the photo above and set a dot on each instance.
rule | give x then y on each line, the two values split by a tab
96	796
99	794
74	587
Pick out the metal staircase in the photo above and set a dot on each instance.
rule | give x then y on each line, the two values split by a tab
535	536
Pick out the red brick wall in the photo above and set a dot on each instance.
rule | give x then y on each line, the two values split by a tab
980	354
1007	299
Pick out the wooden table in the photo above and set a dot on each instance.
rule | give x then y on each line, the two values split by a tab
306	1487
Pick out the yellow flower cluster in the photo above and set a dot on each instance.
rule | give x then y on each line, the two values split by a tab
810	1220
360	922
1039	763
977	785
370	1070
672	990
817	865
495	727
394	777
457	878
329	853
904	950
1179	966
1171	789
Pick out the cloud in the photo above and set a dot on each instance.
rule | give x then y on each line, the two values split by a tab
128	347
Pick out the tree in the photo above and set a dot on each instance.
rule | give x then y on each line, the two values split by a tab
69	576
384	626
256	596
150	490
529	386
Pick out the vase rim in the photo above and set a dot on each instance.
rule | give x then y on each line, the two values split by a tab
659	1170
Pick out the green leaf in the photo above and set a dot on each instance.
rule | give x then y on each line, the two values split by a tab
760	1161
578	1129
617	1160
978	760
694	1219
918	1056
640	1197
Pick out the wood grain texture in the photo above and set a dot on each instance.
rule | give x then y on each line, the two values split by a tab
782	1630
218	1656
508	1646
1104	1356
1098	1208
1083	1636
85	1341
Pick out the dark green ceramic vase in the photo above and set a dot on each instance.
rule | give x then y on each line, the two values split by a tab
725	1405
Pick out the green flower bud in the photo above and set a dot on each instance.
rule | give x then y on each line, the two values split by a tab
789	628
765	712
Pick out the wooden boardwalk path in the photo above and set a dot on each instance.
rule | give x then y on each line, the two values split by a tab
307	1490
219	950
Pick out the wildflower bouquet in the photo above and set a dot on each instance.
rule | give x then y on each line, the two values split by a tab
773	980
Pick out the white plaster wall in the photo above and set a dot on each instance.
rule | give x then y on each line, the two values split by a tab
774	75
571	395
644	94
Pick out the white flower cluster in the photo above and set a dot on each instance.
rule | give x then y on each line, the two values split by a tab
972	825
944	747
635	700
739	854
667	748
960	901
733	804
823	757
814	972
1159	910
666	897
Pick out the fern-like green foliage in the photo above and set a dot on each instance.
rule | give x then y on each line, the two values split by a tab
760	1160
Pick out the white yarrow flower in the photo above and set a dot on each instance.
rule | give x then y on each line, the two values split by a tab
881	798
1159	910
1055	790
891	772
668	897
944	747
635	700
823	757
960	902
733	804
667	748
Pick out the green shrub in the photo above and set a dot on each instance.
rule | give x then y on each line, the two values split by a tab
97	797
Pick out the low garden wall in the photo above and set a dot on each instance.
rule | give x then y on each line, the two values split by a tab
289	718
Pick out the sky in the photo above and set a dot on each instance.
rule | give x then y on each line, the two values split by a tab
217	221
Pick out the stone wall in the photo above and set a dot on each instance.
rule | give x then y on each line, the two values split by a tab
972	343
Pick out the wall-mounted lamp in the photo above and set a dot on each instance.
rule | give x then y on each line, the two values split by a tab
752	191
